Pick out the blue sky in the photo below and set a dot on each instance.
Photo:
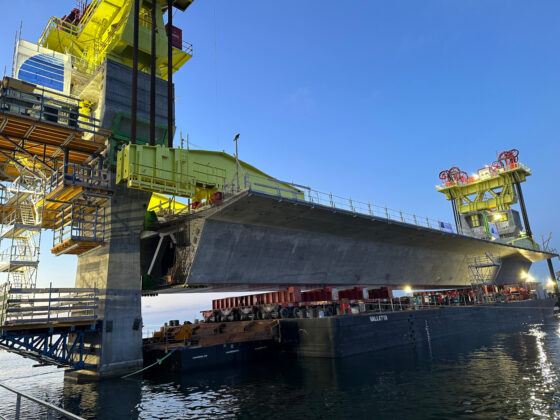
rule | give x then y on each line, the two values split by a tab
368	99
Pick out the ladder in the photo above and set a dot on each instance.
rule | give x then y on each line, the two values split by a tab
483	272
20	229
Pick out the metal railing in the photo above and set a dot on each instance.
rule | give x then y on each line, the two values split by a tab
22	250
470	297
281	189
156	179
89	12
46	105
79	222
187	47
4	293
83	176
50	407
36	305
169	206
56	23
24	213
83	65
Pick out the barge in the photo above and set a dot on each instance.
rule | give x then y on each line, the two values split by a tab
361	328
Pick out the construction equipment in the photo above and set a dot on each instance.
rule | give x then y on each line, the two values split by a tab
482	202
484	270
295	303
104	29
194	174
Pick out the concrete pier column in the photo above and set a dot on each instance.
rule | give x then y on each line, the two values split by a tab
114	268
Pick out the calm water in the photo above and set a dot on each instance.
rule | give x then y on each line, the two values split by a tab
506	375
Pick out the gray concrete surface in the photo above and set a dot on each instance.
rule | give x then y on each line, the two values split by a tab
114	268
259	239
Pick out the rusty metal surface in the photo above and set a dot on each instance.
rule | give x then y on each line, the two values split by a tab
211	334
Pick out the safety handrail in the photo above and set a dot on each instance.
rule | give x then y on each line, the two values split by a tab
57	23
46	105
47	405
282	189
4	293
80	175
89	12
32	305
187	47
147	171
80	222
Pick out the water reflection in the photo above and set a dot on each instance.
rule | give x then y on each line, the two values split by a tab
509	375
479	376
110	399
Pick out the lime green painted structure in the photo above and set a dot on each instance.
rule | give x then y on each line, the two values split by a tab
120	135
195	174
493	193
106	31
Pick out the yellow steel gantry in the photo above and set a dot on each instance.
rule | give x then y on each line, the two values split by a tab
491	188
105	30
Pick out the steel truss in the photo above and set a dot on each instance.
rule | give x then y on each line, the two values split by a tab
61	346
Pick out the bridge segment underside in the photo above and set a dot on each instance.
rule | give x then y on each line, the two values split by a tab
257	241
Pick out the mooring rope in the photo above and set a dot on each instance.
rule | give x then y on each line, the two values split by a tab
157	362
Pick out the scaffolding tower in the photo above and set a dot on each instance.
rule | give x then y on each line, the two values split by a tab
483	271
20	228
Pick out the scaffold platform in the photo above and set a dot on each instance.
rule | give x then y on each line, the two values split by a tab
49	325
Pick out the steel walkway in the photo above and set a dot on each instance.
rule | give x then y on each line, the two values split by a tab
49	325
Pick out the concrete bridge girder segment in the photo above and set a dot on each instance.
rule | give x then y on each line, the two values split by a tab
258	239
114	268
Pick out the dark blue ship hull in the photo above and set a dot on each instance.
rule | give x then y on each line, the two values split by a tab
349	335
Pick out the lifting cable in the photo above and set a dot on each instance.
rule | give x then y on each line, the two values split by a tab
157	362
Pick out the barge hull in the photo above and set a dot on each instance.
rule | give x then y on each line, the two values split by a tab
349	335
211	357
343	336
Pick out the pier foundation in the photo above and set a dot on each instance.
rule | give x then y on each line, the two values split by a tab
114	269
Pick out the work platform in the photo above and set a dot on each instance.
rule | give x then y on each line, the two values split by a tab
36	124
49	325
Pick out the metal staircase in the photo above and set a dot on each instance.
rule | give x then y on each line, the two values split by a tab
20	229
483	271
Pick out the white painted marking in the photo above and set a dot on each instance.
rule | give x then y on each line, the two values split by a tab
377	318
200	357
232	351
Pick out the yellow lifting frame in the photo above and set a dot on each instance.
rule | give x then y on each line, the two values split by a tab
495	193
